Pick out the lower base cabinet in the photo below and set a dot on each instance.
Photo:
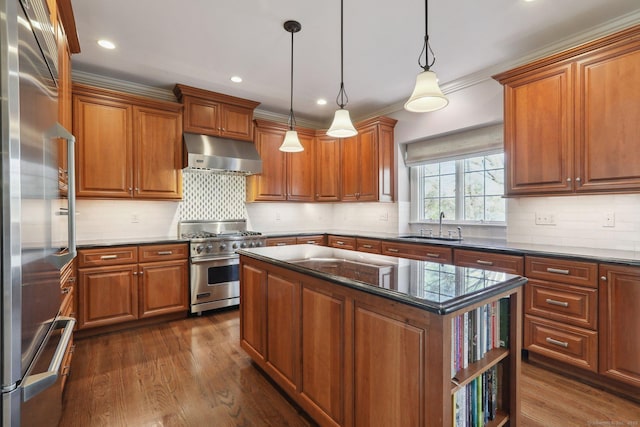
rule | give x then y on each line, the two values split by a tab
122	284
349	358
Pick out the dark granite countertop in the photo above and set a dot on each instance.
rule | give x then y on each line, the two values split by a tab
631	258
438	288
95	243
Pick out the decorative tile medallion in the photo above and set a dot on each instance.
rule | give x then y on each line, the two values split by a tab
208	196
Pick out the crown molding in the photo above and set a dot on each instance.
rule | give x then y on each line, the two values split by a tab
122	85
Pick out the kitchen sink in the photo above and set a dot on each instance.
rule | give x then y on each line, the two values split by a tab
446	239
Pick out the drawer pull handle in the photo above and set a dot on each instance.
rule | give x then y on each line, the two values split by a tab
339	242
367	246
311	242
557	270
558	303
431	255
109	257
482	262
393	250
65	291
165	252
556	342
281	244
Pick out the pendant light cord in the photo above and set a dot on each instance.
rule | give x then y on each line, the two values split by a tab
292	118
342	99
426	48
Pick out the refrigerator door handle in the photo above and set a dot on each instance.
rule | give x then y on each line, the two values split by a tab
34	384
58	131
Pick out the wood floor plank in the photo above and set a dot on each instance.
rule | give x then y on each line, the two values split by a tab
192	372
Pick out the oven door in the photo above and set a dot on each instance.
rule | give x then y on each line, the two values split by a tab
215	283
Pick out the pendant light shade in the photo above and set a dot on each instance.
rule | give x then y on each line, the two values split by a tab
427	95
291	143
341	127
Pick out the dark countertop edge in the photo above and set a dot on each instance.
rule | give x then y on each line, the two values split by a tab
431	306
87	244
484	245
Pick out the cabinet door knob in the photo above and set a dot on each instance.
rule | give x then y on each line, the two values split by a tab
578	179
568	179
603	278
135	273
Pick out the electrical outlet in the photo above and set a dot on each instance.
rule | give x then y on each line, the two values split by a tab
384	216
609	219
135	218
545	218
277	216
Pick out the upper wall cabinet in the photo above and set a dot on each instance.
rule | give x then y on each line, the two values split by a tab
127	146
329	169
285	176
216	114
367	162
571	120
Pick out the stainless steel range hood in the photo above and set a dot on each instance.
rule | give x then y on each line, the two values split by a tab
204	152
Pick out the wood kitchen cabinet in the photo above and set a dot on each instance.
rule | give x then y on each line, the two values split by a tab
367	162
351	358
619	294
435	253
513	264
127	146
119	285
342	242
285	176
212	113
327	166
570	120
281	241
561	304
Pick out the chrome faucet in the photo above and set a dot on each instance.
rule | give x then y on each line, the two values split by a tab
440	226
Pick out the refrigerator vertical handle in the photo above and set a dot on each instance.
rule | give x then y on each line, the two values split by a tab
58	131
34	384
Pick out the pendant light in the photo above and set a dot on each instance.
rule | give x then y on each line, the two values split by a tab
342	126
291	143
427	95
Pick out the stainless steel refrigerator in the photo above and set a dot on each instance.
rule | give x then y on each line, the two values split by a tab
37	217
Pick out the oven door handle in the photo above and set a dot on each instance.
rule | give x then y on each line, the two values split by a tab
224	258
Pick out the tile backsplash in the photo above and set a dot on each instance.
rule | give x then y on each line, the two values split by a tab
213	196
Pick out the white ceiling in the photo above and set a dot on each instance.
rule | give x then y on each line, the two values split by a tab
203	43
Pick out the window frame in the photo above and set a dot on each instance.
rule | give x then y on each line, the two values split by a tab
417	192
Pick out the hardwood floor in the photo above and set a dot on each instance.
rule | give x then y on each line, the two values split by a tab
192	372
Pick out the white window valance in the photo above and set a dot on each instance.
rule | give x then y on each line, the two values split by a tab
456	145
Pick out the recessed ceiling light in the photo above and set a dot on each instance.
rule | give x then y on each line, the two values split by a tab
321	101
106	44
236	79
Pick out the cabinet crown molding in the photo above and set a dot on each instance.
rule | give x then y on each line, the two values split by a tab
181	91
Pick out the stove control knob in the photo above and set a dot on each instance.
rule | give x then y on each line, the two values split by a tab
258	243
223	246
252	244
209	248
199	249
243	245
235	246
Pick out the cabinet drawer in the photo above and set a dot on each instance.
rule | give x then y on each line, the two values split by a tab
575	346
561	270
342	242
281	241
150	253
107	256
310	240
369	245
439	254
565	303
513	264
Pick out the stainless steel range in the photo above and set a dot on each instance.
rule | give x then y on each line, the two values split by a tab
213	262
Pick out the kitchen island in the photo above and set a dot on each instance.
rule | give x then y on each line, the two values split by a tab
364	339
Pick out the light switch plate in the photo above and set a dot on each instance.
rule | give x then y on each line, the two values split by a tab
609	219
545	218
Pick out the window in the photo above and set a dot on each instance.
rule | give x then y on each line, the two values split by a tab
466	190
